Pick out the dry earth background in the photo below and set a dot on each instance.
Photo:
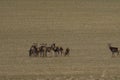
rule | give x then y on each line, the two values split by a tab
85	26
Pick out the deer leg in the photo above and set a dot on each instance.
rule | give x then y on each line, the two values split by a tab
29	54
113	55
117	53
56	54
65	53
43	54
40	54
61	53
46	54
36	53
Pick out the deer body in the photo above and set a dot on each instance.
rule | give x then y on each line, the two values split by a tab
113	50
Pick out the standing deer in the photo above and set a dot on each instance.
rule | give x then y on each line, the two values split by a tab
113	50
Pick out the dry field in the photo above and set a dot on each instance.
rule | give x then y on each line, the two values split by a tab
85	26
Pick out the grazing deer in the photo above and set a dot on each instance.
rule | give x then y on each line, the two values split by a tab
67	52
113	50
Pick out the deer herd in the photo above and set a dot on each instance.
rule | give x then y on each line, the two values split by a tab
43	50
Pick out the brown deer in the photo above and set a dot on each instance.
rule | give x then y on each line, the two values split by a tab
113	50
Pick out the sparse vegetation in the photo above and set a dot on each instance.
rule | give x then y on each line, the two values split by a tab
82	25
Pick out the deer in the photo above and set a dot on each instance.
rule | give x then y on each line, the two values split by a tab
113	50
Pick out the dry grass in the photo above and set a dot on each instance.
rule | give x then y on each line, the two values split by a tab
86	27
89	60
